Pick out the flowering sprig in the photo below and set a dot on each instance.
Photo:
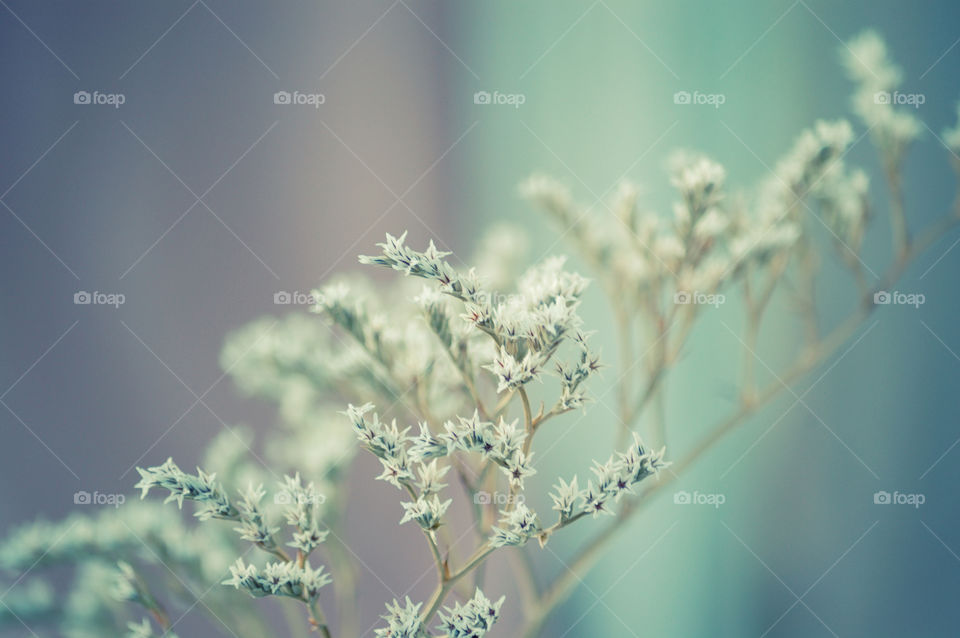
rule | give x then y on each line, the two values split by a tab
201	488
402	622
472	619
612	481
291	577
253	524
130	587
572	376
518	525
428	512
285	578
527	327
567	498
876	76
302	511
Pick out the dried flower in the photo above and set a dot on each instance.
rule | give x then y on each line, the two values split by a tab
471	620
402	622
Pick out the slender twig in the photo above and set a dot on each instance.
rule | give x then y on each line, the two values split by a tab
317	619
447	583
898	218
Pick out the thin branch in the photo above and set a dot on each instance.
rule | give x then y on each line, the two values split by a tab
814	356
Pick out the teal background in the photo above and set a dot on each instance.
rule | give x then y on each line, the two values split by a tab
799	504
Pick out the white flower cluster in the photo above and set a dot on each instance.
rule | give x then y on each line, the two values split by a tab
877	78
814	169
527	327
127	587
138	531
298	364
253	524
108	535
643	259
303	513
428	512
394	347
301	505
284	578
572	375
401	454
614	479
518	526
402	622
472	619
709	241
386	442
202	488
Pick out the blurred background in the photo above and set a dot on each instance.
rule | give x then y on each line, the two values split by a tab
199	197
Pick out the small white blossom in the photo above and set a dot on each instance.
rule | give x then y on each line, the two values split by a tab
428	512
516	527
278	579
567	497
472	619
511	373
430	476
517	468
402	622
